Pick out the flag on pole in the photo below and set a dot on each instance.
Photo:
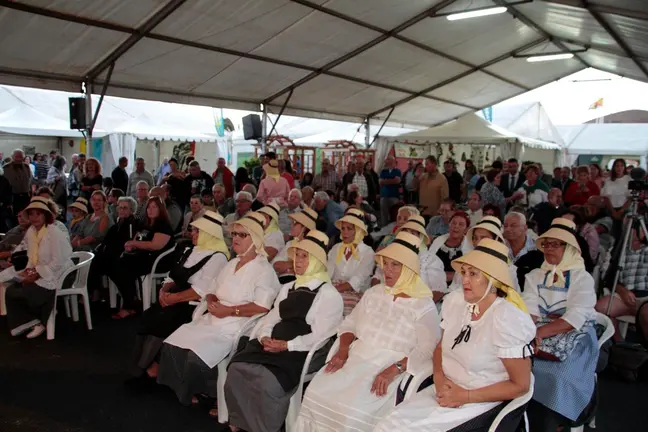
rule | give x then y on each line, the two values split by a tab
219	123
597	104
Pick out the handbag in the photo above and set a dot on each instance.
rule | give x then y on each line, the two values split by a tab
628	361
19	260
558	347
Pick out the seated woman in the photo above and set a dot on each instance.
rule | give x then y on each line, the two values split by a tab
302	223
454	244
30	298
432	272
188	280
247	286
46	193
483	358
355	200
394	329
273	239
153	238
264	375
351	262
489	227
196	211
560	297
79	210
12	239
404	214
631	292
107	254
96	225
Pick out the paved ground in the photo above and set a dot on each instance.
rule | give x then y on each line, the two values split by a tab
75	384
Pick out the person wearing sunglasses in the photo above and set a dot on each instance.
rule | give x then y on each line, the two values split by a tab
560	298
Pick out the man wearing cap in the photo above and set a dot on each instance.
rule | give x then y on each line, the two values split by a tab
516	236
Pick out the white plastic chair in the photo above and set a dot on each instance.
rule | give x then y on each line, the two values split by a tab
608	332
149	295
79	287
624	321
512	406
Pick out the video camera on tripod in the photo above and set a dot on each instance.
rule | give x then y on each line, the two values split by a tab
638	182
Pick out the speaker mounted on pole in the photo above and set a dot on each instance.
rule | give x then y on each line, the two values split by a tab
252	128
78	118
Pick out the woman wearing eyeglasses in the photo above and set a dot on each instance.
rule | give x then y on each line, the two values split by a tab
560	298
246	286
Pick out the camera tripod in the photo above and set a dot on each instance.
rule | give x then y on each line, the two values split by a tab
636	221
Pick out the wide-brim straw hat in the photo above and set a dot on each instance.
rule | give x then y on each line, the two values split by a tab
80	204
354	217
416	223
403	249
211	223
490	257
315	243
271	210
306	217
253	223
39	203
271	168
488	223
560	229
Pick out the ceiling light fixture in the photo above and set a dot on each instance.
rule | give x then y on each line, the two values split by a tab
549	57
477	13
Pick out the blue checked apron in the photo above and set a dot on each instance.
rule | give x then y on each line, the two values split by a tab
566	387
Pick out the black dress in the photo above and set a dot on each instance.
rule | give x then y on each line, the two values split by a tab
107	254
159	322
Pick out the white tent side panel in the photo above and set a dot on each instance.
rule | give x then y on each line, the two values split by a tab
10	142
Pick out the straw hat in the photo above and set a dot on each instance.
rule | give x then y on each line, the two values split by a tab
489	223
416	223
271	168
306	217
39	203
404	249
80	204
271	210
211	222
354	217
491	257
253	223
315	243
560	229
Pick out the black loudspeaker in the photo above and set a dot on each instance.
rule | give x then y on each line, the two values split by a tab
78	113
252	129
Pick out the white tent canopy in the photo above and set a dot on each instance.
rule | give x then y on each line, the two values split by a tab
24	120
606	139
527	119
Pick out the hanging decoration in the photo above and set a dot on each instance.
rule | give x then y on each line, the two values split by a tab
463	157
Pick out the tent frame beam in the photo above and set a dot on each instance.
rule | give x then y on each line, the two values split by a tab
614	10
104	89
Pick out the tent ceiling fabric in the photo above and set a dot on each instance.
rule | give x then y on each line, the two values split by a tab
337	59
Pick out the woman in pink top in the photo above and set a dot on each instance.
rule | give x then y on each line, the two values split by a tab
273	187
286	172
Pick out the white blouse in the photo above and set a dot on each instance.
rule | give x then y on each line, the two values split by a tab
501	332
616	190
356	272
404	325
274	240
202	280
324	316
54	256
282	255
579	299
439	241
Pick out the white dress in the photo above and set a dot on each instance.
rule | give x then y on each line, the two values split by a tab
282	255
387	330
356	272
616	190
211	338
274	240
202	280
503	331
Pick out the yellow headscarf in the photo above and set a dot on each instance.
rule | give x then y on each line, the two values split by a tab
408	283
208	242
512	296
315	270
359	236
272	171
32	249
274	226
76	220
572	260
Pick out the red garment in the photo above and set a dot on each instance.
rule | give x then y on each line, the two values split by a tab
575	196
290	179
227	181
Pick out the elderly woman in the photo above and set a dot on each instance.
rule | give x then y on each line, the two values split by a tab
247	286
93	230
302	223
560	297
582	189
30	299
404	213
394	329
189	280
273	239
273	187
264	375
154	237
79	210
351	262
454	244
483	358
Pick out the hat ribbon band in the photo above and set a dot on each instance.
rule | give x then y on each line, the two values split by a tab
564	227
355	216
214	220
317	241
273	209
407	245
484	222
418	222
257	221
309	216
492	252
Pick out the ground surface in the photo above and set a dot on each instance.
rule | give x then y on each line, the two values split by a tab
75	384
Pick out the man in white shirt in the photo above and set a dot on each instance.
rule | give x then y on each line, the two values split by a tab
475	208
